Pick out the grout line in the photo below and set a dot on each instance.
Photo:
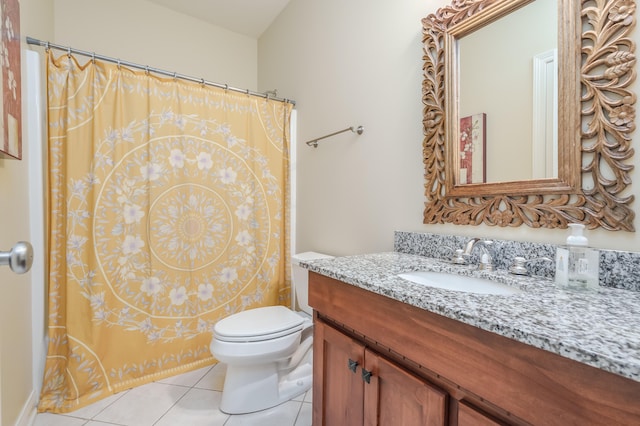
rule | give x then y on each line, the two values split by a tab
123	393
103	423
191	387
298	415
227	421
174	404
195	385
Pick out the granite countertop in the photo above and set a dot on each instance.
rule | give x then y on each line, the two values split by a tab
600	328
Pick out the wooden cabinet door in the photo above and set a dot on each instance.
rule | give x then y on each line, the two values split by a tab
338	394
469	416
393	396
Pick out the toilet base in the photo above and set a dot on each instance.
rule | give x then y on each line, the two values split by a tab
254	388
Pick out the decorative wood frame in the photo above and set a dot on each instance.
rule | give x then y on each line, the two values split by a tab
596	118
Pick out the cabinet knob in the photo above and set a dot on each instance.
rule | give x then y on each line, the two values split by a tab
353	365
366	375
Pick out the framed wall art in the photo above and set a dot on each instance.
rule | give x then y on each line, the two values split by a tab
11	116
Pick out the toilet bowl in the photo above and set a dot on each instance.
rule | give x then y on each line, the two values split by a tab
268	351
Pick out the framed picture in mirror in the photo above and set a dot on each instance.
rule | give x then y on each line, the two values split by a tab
473	149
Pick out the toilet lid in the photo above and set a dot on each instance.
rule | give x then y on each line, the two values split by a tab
258	324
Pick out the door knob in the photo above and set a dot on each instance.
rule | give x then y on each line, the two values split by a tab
19	258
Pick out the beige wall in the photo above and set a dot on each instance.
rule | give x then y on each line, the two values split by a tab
348	64
145	33
15	290
360	62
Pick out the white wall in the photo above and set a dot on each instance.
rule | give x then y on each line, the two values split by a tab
148	34
360	62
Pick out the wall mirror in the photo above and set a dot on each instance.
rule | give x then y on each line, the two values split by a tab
574	149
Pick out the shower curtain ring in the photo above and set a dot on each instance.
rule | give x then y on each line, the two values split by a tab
69	52
118	62
175	76
46	47
146	69
93	58
226	87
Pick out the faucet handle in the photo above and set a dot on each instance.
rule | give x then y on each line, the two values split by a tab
459	258
457	255
518	266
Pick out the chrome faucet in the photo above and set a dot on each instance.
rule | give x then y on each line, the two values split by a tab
486	258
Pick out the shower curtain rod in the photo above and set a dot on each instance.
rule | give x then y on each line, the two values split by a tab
47	45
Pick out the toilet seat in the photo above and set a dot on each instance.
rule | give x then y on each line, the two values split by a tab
258	324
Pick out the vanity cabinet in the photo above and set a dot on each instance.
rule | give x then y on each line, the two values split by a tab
358	386
427	369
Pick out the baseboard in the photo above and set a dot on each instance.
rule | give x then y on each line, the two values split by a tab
28	414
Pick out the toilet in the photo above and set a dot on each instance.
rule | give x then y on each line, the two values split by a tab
268	351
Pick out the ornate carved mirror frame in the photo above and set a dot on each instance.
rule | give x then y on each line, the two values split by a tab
596	118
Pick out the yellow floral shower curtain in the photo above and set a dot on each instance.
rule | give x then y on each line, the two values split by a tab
168	211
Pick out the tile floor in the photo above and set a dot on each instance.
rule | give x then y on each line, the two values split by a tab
190	399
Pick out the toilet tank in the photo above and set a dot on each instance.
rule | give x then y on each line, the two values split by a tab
300	278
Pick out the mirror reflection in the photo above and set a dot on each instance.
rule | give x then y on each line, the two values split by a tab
508	97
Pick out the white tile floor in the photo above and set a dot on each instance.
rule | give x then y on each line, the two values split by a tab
190	399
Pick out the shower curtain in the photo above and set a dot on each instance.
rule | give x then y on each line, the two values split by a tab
168	210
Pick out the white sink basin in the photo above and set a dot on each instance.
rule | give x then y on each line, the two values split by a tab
459	283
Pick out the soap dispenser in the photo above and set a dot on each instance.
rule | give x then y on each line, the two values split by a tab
577	265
